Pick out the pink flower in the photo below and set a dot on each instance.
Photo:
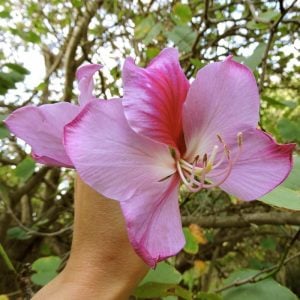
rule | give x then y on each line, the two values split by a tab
166	131
42	127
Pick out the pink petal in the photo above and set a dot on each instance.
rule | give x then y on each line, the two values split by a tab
153	221
110	156
84	77
153	97
223	100
42	128
262	165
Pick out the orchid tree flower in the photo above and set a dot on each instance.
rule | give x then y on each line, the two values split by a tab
42	127
166	131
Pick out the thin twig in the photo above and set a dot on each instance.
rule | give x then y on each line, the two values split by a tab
30	231
6	259
269	44
268	272
253	13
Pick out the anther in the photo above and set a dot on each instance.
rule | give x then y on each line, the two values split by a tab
204	160
227	152
196	159
240	139
220	139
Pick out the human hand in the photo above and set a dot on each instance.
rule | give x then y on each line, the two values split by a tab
102	263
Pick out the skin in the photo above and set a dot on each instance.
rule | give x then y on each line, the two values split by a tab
102	263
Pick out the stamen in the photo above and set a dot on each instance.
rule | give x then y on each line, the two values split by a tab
220	139
240	139
181	174
226	150
183	178
227	173
204	160
198	184
196	159
213	155
194	176
188	167
219	162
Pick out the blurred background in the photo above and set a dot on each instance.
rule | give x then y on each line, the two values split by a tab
42	43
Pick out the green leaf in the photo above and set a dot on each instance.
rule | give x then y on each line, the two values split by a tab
2	117
283	197
153	33
5	14
268	243
293	182
25	168
14	77
281	103
17	68
197	63
183	37
287	195
41	86
152	52
189	277
170	298
267	289
17	233
142	28
256	57
163	273
32	37
182	13
46	269
4	256
289	130
191	245
4	132
28	36
269	15
153	289
207	296
77	3
254	25
5	81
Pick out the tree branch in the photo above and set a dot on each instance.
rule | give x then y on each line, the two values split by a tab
32	183
269	45
78	33
245	220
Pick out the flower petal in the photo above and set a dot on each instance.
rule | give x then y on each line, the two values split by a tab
223	100
84	77
262	165
153	97
153	221
110	156
42	128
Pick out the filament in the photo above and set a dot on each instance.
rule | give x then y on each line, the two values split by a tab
193	175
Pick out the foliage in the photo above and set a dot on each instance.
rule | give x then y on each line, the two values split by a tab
36	200
287	195
267	289
45	268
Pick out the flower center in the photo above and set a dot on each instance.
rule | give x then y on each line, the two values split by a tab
193	174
